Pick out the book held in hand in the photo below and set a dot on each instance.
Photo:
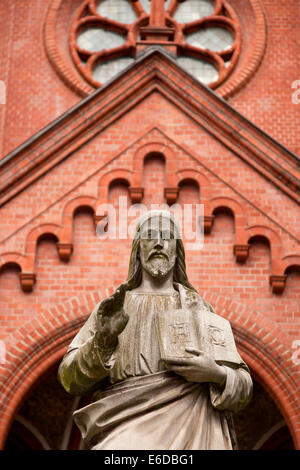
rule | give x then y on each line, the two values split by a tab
176	331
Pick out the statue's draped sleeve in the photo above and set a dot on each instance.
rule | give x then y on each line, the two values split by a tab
85	364
236	393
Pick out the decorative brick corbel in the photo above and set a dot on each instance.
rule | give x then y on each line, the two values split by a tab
241	252
278	283
171	195
98	218
136	195
27	281
65	250
208	223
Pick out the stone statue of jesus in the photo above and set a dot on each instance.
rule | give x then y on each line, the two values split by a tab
163	365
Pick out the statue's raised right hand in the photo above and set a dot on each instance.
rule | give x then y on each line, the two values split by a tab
111	323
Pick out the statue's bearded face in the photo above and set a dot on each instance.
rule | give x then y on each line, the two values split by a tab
157	246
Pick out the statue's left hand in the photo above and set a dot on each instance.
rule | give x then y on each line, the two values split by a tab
200	368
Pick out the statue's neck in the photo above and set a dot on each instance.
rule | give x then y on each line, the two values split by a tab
151	284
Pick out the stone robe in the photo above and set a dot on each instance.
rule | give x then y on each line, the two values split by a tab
143	405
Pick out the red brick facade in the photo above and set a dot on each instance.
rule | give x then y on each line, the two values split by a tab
154	135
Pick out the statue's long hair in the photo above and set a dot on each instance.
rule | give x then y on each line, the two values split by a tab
134	279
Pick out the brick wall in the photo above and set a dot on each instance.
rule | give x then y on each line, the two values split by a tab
266	324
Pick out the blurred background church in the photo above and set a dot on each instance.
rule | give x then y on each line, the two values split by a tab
160	102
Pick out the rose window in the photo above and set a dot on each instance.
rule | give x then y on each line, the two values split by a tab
203	35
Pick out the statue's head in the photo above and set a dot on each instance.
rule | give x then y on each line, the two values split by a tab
157	232
158	249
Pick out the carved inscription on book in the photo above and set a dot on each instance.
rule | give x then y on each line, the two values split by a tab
176	332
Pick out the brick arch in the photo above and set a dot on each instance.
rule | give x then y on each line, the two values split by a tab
267	232
239	213
289	262
65	234
12	259
192	185
204	186
274	241
32	240
155	148
146	150
108	178
241	247
261	343
69	75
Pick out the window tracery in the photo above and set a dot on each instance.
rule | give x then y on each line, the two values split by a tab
204	35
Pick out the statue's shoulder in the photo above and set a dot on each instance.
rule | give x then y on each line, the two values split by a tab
216	320
213	314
